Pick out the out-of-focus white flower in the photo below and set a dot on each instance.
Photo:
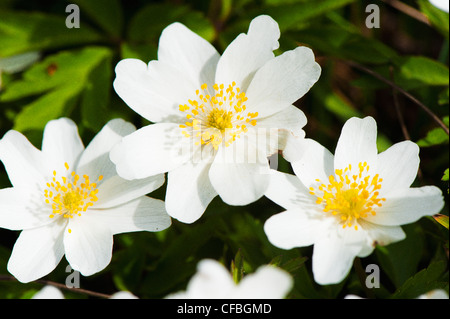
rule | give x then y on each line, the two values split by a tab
218	118
435	294
68	200
48	292
123	295
441	4
214	281
348	203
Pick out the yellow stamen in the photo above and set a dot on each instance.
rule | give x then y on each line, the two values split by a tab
217	118
350	201
69	199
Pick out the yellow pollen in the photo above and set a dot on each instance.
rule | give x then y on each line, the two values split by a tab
349	197
216	118
68	197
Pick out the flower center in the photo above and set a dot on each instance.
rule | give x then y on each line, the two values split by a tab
69	196
217	118
349	197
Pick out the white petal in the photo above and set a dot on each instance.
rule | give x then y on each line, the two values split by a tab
379	235
406	206
61	143
94	161
282	81
310	161
333	255
357	143
443	5
274	132
151	150
291	119
287	191
123	295
189	53
88	245
37	252
154	91
211	281
142	214
436	293
258	144
24	163
19	210
398	166
294	228
116	190
239	174
48	292
189	191
248	52
268	282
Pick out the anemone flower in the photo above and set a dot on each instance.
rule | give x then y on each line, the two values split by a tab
216	118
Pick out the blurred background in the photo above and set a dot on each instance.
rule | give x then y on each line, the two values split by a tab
396	71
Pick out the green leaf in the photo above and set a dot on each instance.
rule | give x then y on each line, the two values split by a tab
400	260
434	137
424	69
143	52
438	18
107	14
36	114
237	267
35	31
424	281
441	219
58	81
96	95
366	50
290	16
335	102
444	97
445	177
128	264
340	106
292	265
161	15
343	42
177	264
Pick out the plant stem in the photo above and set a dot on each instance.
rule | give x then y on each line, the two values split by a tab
60	286
399	89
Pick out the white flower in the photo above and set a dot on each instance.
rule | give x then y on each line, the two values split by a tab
48	292
217	117
347	204
441	4
123	295
69	200
214	281
433	294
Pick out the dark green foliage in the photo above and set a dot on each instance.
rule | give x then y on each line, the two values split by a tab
73	78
